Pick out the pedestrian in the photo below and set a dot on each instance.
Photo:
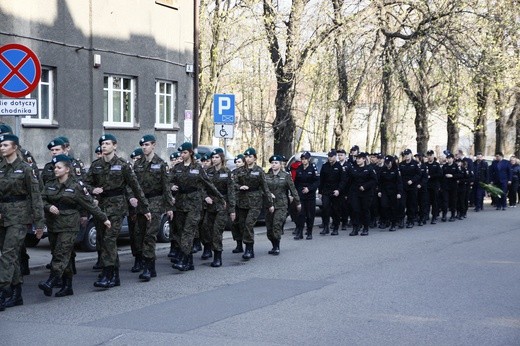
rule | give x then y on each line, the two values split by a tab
152	174
280	186
252	191
515	179
411	175
481	175
390	190
189	179
501	176
63	200
331	183
20	205
235	228
217	214
306	182
451	173
362	182
109	179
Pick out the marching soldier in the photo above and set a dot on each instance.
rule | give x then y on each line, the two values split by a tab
451	173
411	175
306	183
390	190
235	228
434	184
331	183
362	182
136	237
109	177
422	190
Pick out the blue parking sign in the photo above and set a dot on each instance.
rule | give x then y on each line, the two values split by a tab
224	108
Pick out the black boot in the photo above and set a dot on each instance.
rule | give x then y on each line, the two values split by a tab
197	246
146	275
153	272
66	288
239	248
276	249
444	218
309	234
4	293
190	262
16	298
325	230
207	252
299	233
249	253
106	278
24	264
98	264
392	227
116	281
172	250
365	231
48	285
138	264
355	231
217	259
183	263
335	230
273	243
401	223
452	217
177	254
434	220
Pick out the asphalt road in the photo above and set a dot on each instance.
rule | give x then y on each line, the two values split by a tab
449	284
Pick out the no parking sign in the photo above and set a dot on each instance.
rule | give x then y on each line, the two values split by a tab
20	70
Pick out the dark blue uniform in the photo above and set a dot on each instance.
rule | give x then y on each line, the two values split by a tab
365	178
411	175
390	185
306	178
434	188
449	190
331	179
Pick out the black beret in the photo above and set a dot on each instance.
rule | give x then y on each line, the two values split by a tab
60	158
9	137
186	146
107	137
276	158
305	155
147	138
55	142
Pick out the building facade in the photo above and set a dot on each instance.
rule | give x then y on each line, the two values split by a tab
108	66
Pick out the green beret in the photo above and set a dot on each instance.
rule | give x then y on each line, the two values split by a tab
197	156
175	155
5	129
239	157
186	146
276	158
107	137
217	151
64	139
98	150
204	157
9	137
55	142
136	152
147	138
250	151
60	158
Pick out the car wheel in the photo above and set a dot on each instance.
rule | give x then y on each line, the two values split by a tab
89	239
163	236
31	240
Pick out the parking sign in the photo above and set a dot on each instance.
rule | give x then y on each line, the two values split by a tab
224	108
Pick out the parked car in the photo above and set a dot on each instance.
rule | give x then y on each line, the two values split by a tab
318	158
207	149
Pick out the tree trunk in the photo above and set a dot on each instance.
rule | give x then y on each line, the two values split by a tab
284	125
516	114
452	110
480	126
340	130
386	109
500	129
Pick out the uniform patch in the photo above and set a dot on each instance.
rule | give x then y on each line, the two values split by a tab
194	171
18	171
255	173
223	175
155	166
78	171
69	190
52	188
116	168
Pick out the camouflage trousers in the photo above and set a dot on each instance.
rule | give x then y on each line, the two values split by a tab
213	226
108	237
10	239
186	223
136	241
62	252
246	222
147	234
274	223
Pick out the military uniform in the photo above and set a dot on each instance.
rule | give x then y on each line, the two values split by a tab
306	177
154	181
434	187
331	179
411	175
20	206
449	189
70	198
360	199
114	177
390	184
279	185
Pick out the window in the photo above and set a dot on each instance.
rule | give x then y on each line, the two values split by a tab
119	99
165	104
45	96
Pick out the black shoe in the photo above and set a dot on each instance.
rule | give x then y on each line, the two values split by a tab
146	275
217	259
152	269
182	264
16	298
365	231
392	228
115	281
409	225
239	248
420	223
401	224
355	231
98	265
249	253
444	217
452	218
273	243
434	221
106	278
48	285
173	249
382	225
334	231
299	234
325	230
197	246
138	264
66	288
4	293
207	252
309	235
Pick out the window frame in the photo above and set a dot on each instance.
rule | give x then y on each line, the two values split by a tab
51	99
110	101
173	111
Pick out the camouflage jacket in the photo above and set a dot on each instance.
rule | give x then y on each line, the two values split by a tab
192	180
154	180
223	181
280	185
70	198
115	177
252	198
20	198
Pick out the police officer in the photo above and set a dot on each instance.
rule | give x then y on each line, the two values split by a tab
63	198
235	229
252	190
422	190
306	182
151	172
280	186
451	173
463	188
331	183
390	190
218	214
20	205
188	179
411	175
342	160
109	178
481	168
434	184
362	182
